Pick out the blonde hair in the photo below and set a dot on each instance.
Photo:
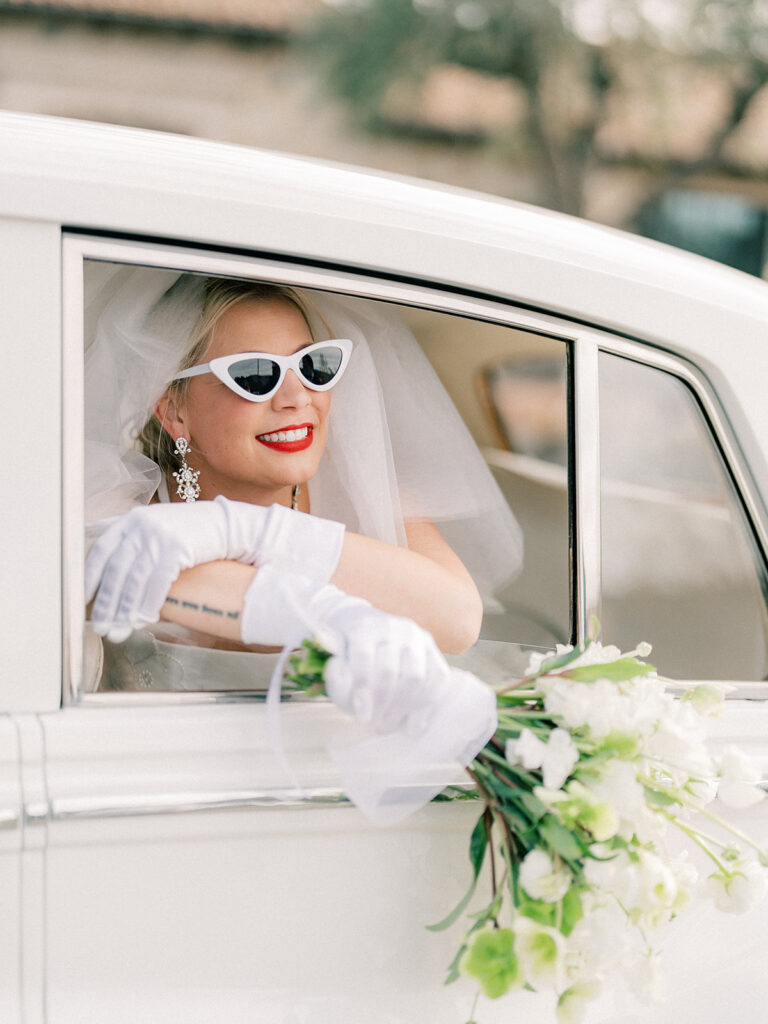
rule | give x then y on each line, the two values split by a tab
220	295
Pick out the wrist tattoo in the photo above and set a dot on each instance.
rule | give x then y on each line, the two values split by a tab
194	606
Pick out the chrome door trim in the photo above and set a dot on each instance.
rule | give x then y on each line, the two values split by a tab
151	805
145	804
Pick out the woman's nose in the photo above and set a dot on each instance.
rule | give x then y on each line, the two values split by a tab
291	394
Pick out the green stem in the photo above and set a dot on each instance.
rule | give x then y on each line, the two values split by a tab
474	1007
516	685
488	814
730	828
524	697
698	838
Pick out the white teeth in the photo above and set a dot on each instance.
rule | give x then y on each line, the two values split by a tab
285	435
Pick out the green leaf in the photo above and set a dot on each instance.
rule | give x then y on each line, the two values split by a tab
616	671
453	967
558	661
478	842
560	839
477	846
535	808
573	911
658	798
539	911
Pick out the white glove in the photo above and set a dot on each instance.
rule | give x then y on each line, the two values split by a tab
140	554
425	721
388	670
385	668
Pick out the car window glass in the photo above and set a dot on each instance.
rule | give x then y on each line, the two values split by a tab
509	388
679	565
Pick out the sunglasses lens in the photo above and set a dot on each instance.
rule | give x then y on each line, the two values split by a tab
256	376
321	365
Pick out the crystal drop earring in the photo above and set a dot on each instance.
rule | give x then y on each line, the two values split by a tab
295	496
186	478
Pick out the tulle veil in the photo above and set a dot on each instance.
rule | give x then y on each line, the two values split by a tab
397	448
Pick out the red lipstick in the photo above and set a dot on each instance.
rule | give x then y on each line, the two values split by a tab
297	445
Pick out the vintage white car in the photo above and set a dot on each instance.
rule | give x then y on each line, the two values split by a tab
155	865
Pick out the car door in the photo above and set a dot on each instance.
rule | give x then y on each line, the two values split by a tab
185	876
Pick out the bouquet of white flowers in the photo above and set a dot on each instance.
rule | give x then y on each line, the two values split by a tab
592	764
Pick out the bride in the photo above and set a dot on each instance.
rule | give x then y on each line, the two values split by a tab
301	469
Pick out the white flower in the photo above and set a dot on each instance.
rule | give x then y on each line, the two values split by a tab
600	941
686	877
541	952
643	884
556	757
738	890
739	776
559	758
572	1004
527	750
708	698
632	708
596	654
617	785
541	879
656	888
577	805
679	741
646	979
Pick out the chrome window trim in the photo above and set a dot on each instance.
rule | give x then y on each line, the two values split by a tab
79	247
584	345
72	472
586	573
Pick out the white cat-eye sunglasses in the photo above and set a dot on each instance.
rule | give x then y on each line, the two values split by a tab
256	376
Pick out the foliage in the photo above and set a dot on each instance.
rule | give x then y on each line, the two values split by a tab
568	58
592	765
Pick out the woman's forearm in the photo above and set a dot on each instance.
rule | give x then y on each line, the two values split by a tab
209	598
439	595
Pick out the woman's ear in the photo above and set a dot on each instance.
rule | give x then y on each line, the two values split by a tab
171	416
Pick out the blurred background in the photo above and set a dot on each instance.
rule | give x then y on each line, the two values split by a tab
648	115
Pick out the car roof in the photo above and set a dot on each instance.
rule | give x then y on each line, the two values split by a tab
111	178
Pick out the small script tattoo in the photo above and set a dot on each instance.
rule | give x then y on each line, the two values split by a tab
202	608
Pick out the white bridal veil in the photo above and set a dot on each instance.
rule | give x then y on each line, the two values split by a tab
397	448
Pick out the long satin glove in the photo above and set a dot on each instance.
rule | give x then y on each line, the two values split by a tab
417	722
139	555
385	666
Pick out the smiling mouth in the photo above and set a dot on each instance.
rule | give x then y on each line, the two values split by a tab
292	439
